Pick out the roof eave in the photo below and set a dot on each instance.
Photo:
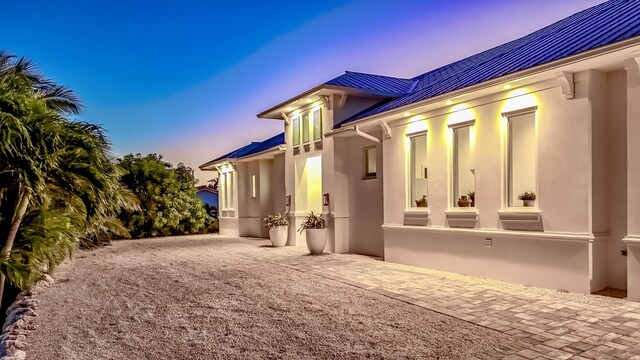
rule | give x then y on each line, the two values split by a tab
269	153
276	111
211	165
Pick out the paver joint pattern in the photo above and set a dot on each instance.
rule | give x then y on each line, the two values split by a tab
546	323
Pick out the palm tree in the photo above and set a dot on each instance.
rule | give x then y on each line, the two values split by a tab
58	181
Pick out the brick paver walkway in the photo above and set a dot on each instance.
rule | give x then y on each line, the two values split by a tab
548	324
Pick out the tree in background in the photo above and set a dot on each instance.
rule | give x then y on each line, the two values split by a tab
59	185
168	201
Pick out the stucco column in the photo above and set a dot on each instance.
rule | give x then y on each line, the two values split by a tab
289	188
633	174
335	182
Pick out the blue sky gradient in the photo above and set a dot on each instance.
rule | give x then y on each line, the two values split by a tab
186	79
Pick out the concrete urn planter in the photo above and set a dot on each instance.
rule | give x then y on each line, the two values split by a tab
316	240
279	235
529	203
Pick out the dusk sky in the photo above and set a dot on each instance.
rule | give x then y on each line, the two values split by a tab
186	79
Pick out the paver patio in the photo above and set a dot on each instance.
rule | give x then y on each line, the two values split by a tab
543	323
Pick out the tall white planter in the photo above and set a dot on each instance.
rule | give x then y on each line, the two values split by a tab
278	235
316	240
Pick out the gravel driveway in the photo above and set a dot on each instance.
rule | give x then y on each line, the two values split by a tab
202	298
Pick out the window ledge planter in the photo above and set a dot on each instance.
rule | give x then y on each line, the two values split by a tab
417	217
462	218
527	219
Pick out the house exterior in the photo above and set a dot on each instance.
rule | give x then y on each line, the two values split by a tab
429	171
207	194
251	186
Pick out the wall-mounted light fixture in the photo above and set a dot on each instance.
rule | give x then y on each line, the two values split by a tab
325	199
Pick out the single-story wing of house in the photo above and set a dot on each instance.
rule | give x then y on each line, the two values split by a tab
251	186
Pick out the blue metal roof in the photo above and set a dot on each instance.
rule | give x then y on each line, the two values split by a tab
384	85
601	25
250	149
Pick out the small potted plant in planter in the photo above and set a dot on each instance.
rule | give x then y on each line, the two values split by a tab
464	201
472	198
278	227
422	202
316	229
528	198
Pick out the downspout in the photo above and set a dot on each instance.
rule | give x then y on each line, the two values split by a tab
365	135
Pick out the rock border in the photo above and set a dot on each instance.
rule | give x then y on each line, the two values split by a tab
19	323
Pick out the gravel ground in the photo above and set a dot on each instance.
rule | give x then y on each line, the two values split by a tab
199	298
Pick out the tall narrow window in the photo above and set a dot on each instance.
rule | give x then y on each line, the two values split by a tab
223	193
370	162
305	128
295	129
228	190
317	124
521	157
418	171
253	186
464	179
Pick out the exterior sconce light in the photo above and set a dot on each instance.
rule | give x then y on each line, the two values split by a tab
325	199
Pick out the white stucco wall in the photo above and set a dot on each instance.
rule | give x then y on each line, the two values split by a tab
616	176
269	193
633	174
365	200
572	187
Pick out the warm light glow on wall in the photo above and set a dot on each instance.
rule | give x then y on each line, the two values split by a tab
519	99
507	86
313	173
316	105
416	124
460	113
449	102
226	167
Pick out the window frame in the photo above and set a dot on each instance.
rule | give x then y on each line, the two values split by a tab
306	131
227	188
366	173
508	146
411	177
295	130
454	160
318	120
253	186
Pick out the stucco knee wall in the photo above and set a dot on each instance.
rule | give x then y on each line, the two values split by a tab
252	226
562	265
633	272
229	227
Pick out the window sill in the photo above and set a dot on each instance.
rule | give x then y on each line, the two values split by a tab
463	210
528	219
372	177
418	210
417	216
462	217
